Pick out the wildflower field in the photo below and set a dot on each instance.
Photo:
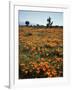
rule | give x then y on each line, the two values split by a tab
40	52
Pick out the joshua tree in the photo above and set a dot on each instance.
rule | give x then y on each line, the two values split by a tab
49	24
27	23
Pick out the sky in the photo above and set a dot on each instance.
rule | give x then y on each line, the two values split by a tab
40	17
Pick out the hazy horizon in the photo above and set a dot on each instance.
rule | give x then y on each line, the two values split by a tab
40	17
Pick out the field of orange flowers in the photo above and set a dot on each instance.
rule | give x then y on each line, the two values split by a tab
40	52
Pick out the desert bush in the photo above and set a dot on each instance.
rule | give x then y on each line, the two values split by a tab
28	34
